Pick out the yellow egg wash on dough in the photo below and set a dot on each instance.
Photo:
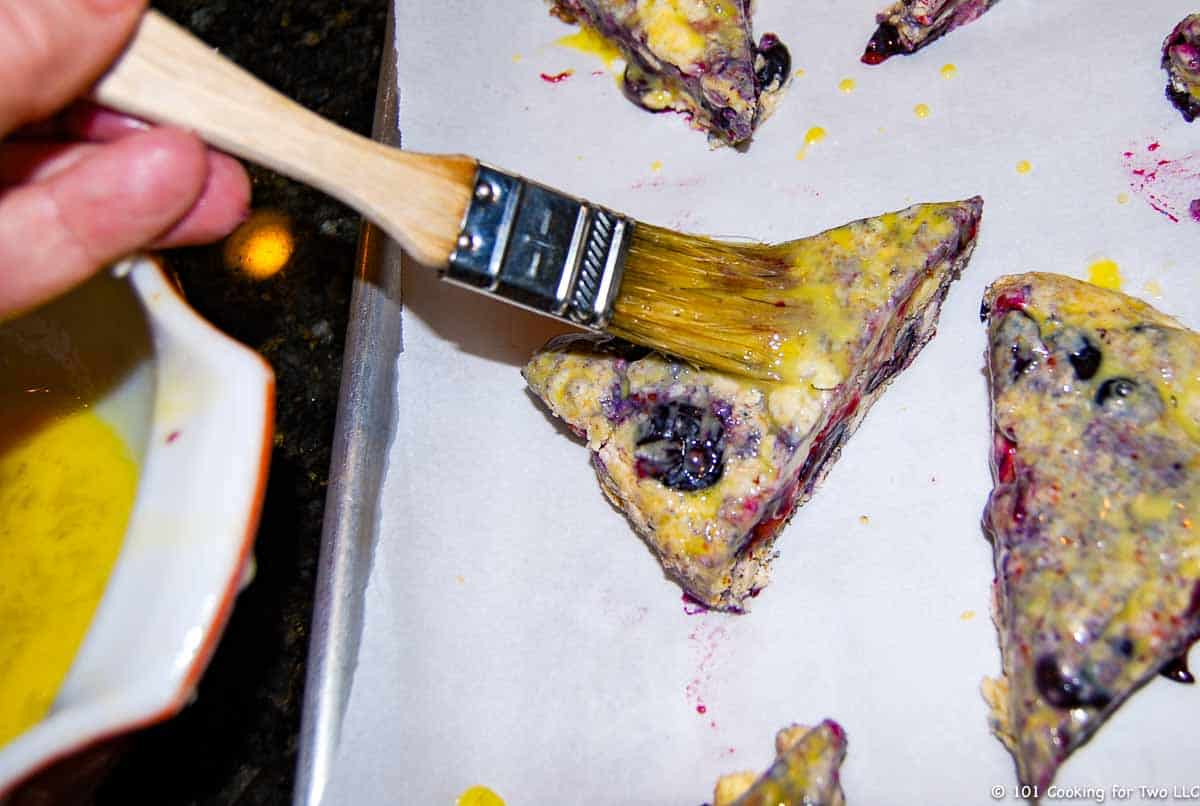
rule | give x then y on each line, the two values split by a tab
921	110
847	85
669	30
67	485
1097	445
1105	273
1023	167
949	71
800	286
782	346
804	771
479	796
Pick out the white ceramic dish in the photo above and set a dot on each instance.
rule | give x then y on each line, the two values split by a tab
197	408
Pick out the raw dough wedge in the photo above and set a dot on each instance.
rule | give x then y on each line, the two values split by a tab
907	26
692	56
1181	60
1096	440
806	772
709	466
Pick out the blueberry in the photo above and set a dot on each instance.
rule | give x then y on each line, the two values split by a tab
884	42
1126	399
1016	346
1177	669
1115	389
1085	359
636	85
681	446
895	363
820	453
1064	689
772	63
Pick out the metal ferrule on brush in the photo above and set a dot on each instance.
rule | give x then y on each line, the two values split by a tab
545	251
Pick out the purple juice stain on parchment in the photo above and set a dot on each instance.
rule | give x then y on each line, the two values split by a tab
1170	185
693	606
707	640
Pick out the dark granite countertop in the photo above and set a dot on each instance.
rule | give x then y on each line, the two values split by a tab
237	743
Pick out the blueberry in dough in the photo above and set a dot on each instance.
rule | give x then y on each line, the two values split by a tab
682	447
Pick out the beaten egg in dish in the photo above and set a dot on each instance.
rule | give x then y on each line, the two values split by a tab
67	485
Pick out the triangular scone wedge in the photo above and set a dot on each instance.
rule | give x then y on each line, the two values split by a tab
1181	60
1096	440
906	26
709	466
806	771
691	56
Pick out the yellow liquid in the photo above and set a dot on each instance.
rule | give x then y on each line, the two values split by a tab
479	796
1106	274
811	137
592	42
779	312
67	485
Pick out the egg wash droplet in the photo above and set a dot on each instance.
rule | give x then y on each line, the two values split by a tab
811	137
1023	167
1105	273
948	71
847	85
479	796
921	110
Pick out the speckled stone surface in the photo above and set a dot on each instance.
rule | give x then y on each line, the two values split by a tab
237	743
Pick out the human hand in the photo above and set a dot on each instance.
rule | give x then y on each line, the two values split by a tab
82	186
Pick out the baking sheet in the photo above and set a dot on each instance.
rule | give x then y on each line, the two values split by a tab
518	635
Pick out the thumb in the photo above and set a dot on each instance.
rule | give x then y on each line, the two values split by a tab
54	50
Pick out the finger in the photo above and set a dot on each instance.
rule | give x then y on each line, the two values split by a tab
111	202
88	121
223	204
54	50
25	162
82	120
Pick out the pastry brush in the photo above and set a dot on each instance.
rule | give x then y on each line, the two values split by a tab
712	302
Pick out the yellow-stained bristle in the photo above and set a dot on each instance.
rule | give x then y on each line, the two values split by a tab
796	312
712	302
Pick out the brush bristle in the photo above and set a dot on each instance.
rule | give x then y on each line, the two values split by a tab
792	312
720	304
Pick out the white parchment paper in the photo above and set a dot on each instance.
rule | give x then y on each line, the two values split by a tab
519	636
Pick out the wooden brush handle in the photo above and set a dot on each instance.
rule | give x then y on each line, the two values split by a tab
168	76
